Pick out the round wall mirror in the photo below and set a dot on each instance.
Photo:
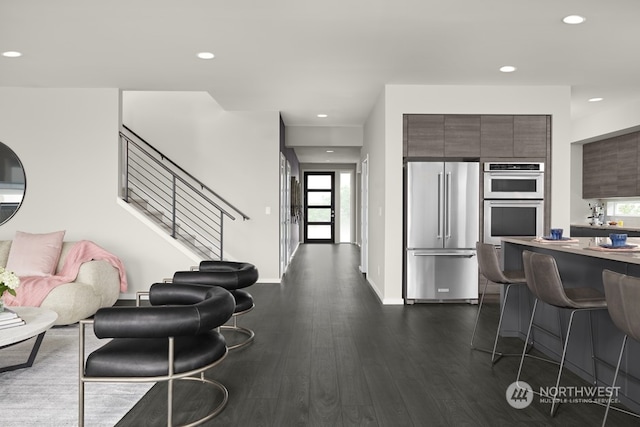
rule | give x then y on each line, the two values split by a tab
12	183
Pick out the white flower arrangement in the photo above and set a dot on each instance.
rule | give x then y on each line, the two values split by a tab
8	282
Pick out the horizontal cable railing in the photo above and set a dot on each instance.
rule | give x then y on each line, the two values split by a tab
186	208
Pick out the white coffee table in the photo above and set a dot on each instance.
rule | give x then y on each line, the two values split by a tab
37	321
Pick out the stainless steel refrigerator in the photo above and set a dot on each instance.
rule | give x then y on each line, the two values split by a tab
442	221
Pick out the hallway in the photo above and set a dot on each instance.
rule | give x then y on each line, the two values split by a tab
327	353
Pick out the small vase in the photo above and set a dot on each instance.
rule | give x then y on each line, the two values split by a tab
1	305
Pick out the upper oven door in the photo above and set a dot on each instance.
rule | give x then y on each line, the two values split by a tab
514	185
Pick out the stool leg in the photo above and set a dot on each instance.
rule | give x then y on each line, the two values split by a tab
615	377
593	355
495	342
170	403
526	341
554	408
478	313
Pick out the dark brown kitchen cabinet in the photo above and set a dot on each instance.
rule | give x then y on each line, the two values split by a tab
530	136
477	136
496	136
627	165
462	135
608	175
424	135
610	168
591	171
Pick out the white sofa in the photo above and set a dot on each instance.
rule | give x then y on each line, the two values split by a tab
97	285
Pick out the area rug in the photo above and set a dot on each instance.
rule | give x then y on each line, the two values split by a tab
46	394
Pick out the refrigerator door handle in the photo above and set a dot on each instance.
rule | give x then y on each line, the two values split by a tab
448	206
440	206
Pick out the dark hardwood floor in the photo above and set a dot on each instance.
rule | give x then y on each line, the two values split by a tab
328	353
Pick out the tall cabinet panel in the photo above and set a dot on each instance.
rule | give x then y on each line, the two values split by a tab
591	171
627	170
424	135
462	135
496	136
530	136
608	175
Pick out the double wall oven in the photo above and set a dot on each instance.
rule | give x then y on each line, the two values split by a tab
513	200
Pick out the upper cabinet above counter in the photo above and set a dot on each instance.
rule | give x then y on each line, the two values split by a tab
486	136
611	168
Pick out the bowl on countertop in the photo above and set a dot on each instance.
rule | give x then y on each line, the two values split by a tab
556	233
618	239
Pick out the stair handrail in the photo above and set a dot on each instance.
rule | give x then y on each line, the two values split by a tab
178	167
175	176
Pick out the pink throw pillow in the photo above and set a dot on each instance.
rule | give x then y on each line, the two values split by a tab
35	254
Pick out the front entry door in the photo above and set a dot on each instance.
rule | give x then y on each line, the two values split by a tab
319	207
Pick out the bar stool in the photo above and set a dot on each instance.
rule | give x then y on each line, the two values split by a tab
623	299
543	280
489	266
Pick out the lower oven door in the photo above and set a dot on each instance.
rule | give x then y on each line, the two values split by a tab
512	218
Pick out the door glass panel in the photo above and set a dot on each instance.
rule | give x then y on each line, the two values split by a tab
319	182
345	207
319	198
319	214
319	231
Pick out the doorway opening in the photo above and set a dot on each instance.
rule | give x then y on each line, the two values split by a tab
319	207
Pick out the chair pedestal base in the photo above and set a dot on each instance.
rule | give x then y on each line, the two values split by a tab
239	330
217	409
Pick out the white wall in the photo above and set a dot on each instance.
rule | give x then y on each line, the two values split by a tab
383	143
67	140
236	154
376	147
606	122
320	136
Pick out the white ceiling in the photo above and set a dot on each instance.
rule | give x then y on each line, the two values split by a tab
332	56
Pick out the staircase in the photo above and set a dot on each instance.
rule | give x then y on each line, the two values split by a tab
173	199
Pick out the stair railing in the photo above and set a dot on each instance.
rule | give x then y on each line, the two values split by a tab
173	198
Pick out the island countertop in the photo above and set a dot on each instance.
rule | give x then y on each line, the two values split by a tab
585	246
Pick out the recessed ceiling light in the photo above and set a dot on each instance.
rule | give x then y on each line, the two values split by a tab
508	69
329	151
322	116
597	99
11	54
574	19
206	55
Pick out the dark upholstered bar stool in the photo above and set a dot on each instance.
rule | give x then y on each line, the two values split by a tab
489	266
234	277
543	280
623	302
174	339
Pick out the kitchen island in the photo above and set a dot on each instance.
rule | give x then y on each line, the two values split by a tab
580	263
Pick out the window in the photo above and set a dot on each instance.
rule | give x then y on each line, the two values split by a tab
345	207
624	208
